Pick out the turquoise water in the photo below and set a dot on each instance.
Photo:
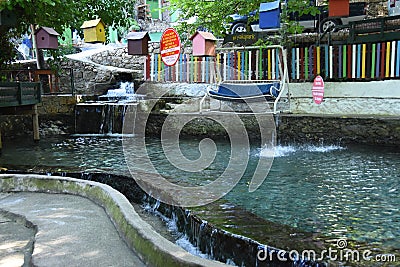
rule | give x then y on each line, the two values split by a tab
350	192
334	191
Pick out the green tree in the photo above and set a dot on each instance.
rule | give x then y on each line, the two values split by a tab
59	14
214	15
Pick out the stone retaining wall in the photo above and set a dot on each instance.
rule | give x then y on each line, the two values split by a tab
91	78
58	104
291	128
119	58
301	129
338	130
56	116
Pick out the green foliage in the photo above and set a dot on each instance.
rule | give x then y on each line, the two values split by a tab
210	14
7	51
55	60
58	14
263	43
214	15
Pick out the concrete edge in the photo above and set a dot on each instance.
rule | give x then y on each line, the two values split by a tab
139	235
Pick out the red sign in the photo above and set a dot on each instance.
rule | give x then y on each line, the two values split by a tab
170	46
318	90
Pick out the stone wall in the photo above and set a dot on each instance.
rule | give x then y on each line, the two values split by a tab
338	130
296	129
107	68
56	116
58	104
119	58
291	128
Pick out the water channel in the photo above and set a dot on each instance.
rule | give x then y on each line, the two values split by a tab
319	193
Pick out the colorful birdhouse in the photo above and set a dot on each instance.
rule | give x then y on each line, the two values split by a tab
94	31
7	18
339	8
46	38
138	43
270	15
204	44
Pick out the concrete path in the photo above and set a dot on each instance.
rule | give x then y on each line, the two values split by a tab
71	231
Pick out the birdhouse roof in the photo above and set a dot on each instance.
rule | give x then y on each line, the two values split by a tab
137	35
269	6
91	23
50	31
205	35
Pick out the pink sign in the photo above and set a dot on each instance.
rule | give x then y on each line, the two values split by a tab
318	90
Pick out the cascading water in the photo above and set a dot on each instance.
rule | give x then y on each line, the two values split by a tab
125	93
106	116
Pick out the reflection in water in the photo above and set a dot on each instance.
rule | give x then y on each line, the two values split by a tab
348	192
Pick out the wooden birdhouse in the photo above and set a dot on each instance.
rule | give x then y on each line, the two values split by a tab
7	18
270	15
138	43
338	8
204	44
46	38
94	31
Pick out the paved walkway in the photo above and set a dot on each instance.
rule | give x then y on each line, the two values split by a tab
71	231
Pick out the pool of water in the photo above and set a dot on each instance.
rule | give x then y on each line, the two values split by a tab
332	191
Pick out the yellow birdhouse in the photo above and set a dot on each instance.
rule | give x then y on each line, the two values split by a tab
94	31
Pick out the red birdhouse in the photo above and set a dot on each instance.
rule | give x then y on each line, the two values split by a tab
339	8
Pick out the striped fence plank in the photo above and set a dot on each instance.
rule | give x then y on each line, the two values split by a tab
398	60
379	60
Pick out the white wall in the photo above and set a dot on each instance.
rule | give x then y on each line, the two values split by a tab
349	98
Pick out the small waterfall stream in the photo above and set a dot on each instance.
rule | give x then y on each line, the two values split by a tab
106	116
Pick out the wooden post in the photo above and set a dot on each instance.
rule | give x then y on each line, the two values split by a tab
35	123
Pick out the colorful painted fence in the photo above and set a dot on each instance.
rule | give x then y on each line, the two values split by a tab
356	61
370	61
255	64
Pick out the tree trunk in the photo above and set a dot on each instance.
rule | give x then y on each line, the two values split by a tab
39	53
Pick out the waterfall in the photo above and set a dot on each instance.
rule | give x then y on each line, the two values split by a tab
106	116
99	118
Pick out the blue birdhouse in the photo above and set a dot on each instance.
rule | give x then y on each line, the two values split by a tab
270	15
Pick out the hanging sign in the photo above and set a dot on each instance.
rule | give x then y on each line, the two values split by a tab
318	90
170	46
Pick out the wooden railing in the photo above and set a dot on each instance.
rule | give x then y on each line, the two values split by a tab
19	94
52	82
